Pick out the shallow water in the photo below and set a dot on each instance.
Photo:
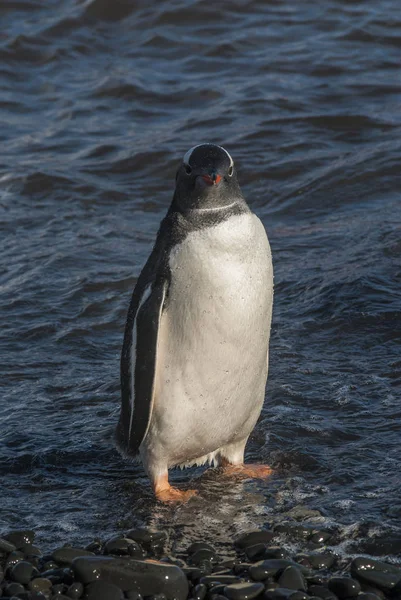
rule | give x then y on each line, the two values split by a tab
98	105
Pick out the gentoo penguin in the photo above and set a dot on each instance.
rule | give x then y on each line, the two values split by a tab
195	353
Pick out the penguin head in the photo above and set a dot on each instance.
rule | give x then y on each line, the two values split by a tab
207	179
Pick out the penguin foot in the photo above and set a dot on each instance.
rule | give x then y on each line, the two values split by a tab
247	471
167	493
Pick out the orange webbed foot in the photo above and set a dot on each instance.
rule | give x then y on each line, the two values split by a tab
167	493
248	471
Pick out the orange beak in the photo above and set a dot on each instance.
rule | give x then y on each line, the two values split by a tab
212	179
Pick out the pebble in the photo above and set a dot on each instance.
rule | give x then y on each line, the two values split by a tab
321	592
217	578
121	546
6	546
317	561
65	555
12	589
145	577
376	573
292	578
199	546
199	591
40	584
13	558
243	591
344	587
75	590
201	556
152	541
285	594
21	537
267	568
23	572
102	590
262	536
368	596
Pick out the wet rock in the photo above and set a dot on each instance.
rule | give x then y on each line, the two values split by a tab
262	552
133	595
145	577
201	556
319	561
303	532
389	544
376	573
121	546
285	594
65	555
251	538
49	565
292	578
216	589
6	546
13	558
102	590
75	590
320	537
199	591
369	589
152	541
208	580
12	589
30	550
193	573
321	592
344	587
268	568
40	584
59	590
199	546
300	513
23	572
243	591
59	576
21	537
368	596
95	546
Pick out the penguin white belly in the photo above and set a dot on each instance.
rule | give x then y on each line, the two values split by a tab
212	344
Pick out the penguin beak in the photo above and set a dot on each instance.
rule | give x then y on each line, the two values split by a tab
212	179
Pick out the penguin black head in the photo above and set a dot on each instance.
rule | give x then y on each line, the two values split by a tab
207	179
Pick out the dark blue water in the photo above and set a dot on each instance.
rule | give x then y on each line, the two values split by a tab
98	103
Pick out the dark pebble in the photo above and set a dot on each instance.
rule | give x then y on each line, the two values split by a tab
23	572
40	584
199	546
30	550
133	595
193	573
199	591
382	546
321	592
102	590
292	578
65	555
368	596
317	561
376	573
255	552
316	579
121	546
243	591
19	538
75	590
254	537
320	537
372	590
49	565
215	590
285	594
6	546
218	578
12	589
268	568
147	578
303	532
14	557
344	587
202	555
59	590
95	546
153	541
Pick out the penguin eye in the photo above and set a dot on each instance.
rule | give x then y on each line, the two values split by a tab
188	170
230	171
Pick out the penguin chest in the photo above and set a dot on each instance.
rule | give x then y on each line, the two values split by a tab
214	335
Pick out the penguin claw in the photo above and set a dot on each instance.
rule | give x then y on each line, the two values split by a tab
248	471
173	495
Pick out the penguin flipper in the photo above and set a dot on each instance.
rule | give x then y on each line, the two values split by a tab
139	366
